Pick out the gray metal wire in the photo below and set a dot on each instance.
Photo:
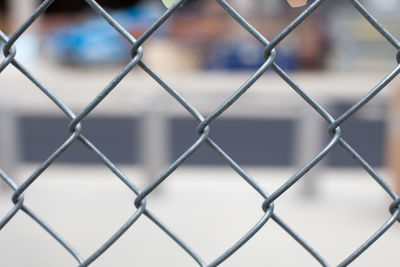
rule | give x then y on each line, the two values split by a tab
203	133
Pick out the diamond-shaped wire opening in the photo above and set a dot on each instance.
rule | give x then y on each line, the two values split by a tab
93	41
89	204
376	89
354	34
199	222
196	42
379	21
271	242
14	214
257	141
26	236
339	198
131	248
114	35
304	47
42	134
122	228
376	254
208	32
366	127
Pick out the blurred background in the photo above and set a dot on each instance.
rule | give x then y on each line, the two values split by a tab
335	55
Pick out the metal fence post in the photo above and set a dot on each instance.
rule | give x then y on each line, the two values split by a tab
154	138
9	143
309	141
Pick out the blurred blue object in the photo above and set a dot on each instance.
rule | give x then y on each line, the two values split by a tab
245	55
95	41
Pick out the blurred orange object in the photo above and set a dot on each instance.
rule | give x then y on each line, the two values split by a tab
297	3
394	139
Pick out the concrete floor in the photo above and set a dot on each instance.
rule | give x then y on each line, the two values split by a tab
209	208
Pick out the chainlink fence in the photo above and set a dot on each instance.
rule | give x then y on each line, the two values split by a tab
203	129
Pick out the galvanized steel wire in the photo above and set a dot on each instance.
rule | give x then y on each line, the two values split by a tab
203	129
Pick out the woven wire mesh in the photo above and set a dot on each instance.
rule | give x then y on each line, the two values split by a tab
203	129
